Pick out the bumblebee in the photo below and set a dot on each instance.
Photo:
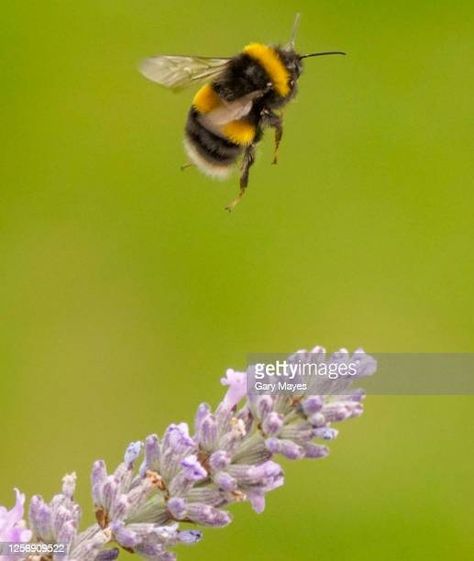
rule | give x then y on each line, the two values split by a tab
240	98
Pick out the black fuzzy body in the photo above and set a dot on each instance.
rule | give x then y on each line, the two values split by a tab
244	75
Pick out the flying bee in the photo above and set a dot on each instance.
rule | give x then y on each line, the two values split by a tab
241	97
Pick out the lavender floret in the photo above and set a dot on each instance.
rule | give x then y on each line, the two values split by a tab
12	526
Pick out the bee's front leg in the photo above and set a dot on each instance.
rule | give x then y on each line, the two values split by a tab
275	121
247	161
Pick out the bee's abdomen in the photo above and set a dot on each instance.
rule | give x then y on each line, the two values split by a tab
212	154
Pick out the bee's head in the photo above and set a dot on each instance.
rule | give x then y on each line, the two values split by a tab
292	61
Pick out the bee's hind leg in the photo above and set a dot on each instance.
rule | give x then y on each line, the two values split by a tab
247	161
275	121
278	135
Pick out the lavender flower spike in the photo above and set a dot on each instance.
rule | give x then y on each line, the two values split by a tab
179	478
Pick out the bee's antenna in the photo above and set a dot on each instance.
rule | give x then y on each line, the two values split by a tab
294	30
323	54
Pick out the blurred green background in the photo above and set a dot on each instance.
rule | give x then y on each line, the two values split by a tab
126	290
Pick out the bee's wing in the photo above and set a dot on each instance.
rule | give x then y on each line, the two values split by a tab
177	72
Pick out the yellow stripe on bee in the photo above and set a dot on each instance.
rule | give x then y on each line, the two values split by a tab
272	64
206	99
240	132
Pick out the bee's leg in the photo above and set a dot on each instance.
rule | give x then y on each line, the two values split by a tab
275	121
247	161
278	135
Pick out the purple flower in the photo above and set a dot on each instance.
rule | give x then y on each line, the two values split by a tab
58	520
12	526
179	478
237	382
